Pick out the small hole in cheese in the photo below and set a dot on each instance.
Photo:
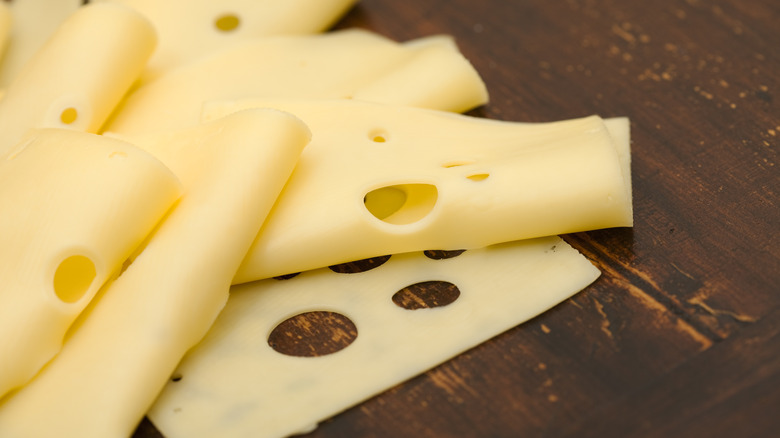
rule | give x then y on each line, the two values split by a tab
312	334
73	278
440	254
401	204
227	23
478	177
426	295
69	115
359	265
458	163
378	136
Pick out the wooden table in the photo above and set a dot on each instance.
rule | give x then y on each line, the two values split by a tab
681	334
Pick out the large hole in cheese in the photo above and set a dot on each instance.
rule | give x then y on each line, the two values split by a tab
401	204
73	278
311	334
426	295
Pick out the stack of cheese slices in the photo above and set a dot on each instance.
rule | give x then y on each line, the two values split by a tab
166	166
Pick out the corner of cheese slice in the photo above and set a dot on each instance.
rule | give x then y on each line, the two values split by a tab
188	29
77	78
234	384
348	63
128	342
385	179
73	207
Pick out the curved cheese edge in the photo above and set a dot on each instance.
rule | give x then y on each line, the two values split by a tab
129	341
234	384
428	179
118	41
334	65
73	207
34	22
209	26
5	31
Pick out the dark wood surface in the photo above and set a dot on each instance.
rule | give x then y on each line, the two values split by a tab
680	336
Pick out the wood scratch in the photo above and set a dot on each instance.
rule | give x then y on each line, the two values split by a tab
698	301
605	324
677	268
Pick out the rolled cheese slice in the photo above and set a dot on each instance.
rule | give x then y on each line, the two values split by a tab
94	57
34	22
351	63
73	207
188	29
129	341
384	179
234	384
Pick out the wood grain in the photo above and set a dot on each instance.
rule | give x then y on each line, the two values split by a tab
680	335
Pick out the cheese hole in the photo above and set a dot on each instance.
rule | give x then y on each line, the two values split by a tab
440	254
73	277
426	295
312	334
478	176
450	164
359	265
401	204
176	377
69	115
378	136
287	276
227	22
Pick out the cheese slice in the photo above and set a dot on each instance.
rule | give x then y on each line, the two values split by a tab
93	57
384	179
347	63
34	22
121	353
73	207
233	384
190	28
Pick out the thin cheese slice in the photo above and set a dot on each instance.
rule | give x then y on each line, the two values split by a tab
383	179
233	384
95	56
341	64
73	207
190	28
120	355
34	22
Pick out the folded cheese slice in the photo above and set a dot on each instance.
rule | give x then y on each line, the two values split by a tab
234	384
95	56
384	179
73	207
190	28
350	63
34	22
130	340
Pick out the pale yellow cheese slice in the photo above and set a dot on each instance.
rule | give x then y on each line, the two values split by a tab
342	64
188	29
384	179
79	75
73	207
233	384
34	22
121	354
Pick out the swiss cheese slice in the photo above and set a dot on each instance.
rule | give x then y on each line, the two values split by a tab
129	341
233	384
76	79
73	207
384	179
190	28
34	22
351	63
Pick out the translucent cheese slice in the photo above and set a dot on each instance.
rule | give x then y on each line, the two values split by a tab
95	56
381	179
335	65
34	21
127	344
190	28
73	207
233	384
